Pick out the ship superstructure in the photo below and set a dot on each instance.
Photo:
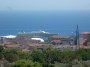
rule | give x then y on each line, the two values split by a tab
37	34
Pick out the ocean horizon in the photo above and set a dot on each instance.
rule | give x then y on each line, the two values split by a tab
64	23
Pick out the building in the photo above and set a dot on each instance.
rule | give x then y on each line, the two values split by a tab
38	39
56	42
58	37
9	45
62	39
85	35
32	46
9	38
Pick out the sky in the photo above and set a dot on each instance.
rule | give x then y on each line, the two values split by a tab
39	5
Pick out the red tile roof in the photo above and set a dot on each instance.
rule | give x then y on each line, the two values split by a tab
85	33
56	36
38	45
57	41
12	46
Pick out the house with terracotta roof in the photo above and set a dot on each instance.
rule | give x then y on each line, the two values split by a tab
59	37
56	39
56	42
8	45
38	46
85	35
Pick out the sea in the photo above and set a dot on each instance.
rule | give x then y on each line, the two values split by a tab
62	22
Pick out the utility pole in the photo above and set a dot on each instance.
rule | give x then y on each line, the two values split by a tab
77	38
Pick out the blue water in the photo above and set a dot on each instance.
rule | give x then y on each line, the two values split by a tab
56	22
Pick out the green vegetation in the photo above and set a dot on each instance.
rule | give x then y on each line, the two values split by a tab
25	63
49	57
88	40
48	41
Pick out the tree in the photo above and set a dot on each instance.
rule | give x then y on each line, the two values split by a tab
1	49
25	55
11	54
51	55
25	63
67	56
37	55
83	53
1	52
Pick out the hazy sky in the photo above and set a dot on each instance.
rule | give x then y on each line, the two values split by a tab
44	5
